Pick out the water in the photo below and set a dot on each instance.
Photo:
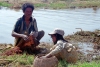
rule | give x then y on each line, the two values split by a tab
86	48
47	20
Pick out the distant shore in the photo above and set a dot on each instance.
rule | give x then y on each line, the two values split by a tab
52	5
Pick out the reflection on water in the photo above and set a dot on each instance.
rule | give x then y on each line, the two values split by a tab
47	20
86	47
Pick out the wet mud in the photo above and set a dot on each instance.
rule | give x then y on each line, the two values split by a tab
86	42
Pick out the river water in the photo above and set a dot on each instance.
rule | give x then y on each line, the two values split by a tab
47	20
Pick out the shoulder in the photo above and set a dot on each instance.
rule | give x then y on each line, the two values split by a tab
20	19
60	42
64	43
18	22
33	19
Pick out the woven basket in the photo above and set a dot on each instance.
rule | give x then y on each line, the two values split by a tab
70	57
45	62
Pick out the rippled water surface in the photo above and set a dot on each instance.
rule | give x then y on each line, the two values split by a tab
47	20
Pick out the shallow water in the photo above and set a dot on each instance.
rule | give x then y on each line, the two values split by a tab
86	48
47	20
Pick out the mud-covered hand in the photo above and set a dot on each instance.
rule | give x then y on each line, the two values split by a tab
34	34
25	37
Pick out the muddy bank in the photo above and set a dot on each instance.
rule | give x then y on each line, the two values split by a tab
88	44
85	36
83	40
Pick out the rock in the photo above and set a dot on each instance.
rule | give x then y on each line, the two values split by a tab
45	62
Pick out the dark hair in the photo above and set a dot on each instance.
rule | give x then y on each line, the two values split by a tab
59	37
27	5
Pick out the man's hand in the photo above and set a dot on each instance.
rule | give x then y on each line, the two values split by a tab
34	34
25	37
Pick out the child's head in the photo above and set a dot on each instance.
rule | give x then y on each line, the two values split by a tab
57	31
56	35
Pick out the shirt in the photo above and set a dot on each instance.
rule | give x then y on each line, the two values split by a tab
20	26
60	46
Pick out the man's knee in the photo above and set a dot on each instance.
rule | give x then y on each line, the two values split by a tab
41	33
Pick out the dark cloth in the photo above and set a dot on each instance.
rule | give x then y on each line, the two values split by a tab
18	25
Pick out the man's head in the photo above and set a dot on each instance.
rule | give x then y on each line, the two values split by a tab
27	9
27	5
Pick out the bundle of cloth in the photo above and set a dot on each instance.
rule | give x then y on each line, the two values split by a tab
23	46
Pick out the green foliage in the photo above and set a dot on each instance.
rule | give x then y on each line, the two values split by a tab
40	5
86	64
86	3
58	5
5	4
20	59
51	5
61	4
62	63
24	59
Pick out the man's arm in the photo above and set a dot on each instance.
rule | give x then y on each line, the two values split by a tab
16	30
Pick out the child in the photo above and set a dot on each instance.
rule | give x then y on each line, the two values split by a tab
62	48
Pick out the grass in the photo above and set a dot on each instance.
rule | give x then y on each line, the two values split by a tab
17	60
86	4
86	64
40	5
5	4
51	5
59	4
24	60
27	60
62	63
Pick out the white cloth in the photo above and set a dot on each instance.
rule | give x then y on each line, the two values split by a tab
65	51
60	46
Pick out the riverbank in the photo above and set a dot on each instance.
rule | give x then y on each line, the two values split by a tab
80	36
52	4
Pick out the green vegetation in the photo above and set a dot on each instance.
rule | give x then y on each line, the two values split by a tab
63	63
16	60
40	5
86	4
86	64
51	5
62	4
5	4
27	60
58	4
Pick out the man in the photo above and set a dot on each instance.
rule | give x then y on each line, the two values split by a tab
25	27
